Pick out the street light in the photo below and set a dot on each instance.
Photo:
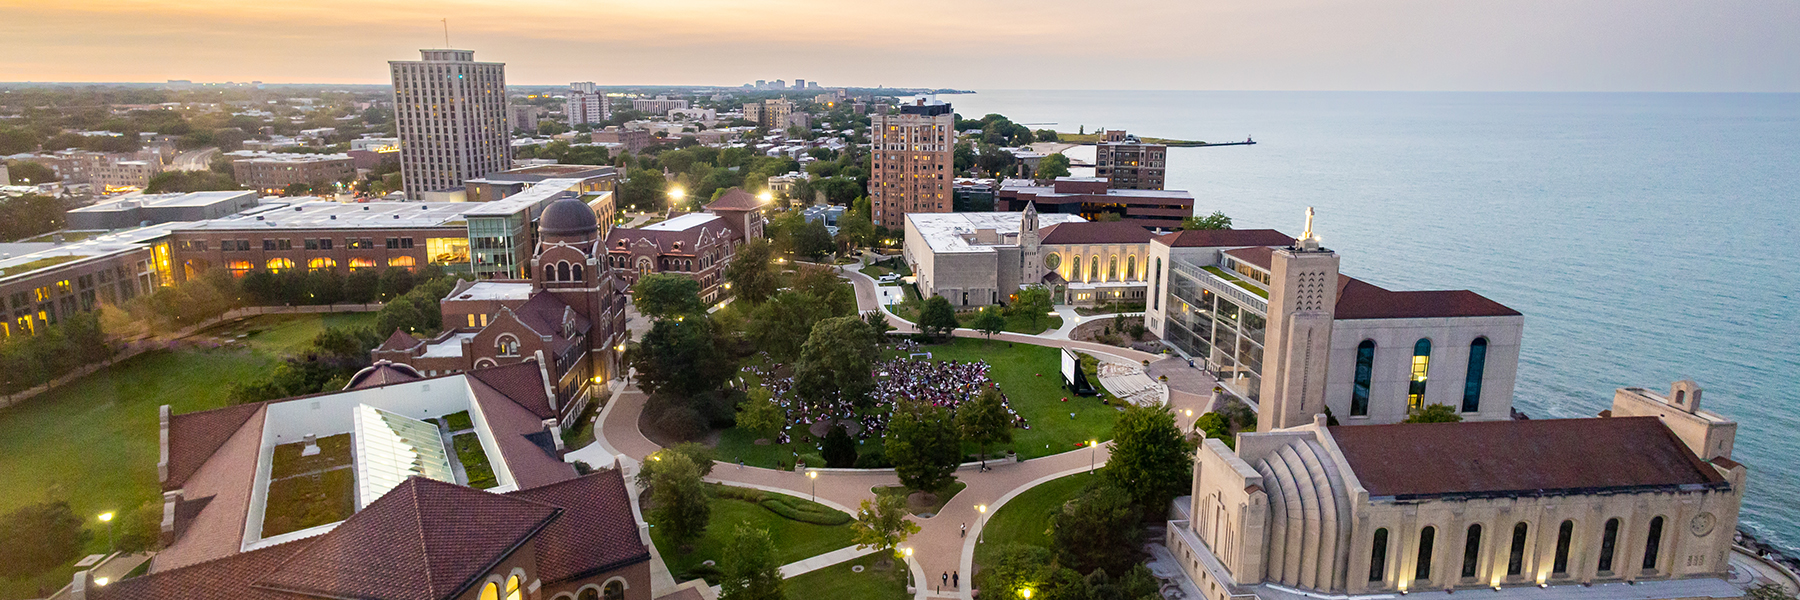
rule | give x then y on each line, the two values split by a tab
107	518
907	552
1026	593
676	194
814	476
1093	453
765	196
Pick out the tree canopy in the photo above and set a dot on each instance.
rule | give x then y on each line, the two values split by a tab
43	536
1217	220
923	444
752	276
678	499
1053	166
1098	530
1435	413
1151	459
1033	304
881	524
667	296
984	420
937	319
682	357
751	569
836	363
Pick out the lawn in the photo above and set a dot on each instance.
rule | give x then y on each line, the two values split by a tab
842	581
474	461
1026	518
1233	278
885	267
306	501
288	334
794	540
1014	323
1028	374
334	451
1110	308
943	497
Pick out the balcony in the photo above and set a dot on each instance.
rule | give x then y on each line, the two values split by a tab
1223	283
1233	279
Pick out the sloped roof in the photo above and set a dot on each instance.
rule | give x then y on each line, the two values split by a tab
513	425
1224	238
1534	457
400	340
521	382
195	436
596	531
383	372
1095	232
736	199
221	579
1358	299
1261	256
543	313
424	540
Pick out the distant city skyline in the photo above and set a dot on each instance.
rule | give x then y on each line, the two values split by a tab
1474	45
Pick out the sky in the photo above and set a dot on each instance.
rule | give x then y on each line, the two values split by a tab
1459	45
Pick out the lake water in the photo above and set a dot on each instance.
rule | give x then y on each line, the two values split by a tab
1646	237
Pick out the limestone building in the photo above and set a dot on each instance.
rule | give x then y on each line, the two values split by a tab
1283	329
1647	494
976	259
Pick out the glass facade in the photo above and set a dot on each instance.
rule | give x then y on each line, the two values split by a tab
495	244
1220	329
1472	385
1421	369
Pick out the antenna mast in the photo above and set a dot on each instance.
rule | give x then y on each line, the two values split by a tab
446	32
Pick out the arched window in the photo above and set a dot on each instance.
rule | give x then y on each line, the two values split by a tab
562	271
1052	261
402	261
1564	536
1365	371
1130	268
512	589
491	591
1378	556
321	264
687	265
508	345
277	265
549	272
1477	364
357	264
1093	268
1653	544
1112	268
1515	562
643	266
1471	551
575	272
588	594
1421	368
1609	541
615	590
1426	537
1155	283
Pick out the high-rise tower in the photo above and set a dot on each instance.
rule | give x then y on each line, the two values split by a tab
913	160
451	116
1302	302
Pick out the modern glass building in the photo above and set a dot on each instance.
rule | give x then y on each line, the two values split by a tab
1218	318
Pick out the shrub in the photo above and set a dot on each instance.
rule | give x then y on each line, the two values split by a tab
824	516
873	459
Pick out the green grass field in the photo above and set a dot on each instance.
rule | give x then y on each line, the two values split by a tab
93	442
288	334
1026	518
794	540
841	581
1014	323
1028	374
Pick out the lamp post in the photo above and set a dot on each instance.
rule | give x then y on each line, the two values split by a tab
907	566
675	196
814	476
107	518
1093	453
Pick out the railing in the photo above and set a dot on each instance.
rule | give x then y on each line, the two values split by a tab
1223	287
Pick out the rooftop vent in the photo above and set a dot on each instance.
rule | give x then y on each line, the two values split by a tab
259	217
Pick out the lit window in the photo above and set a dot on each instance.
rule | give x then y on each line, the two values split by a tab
512	589
1421	367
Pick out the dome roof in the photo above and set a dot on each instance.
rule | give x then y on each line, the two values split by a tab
568	216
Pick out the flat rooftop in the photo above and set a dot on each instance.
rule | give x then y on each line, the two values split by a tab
130	201
284	157
496	290
104	245
681	223
539	193
336	215
951	232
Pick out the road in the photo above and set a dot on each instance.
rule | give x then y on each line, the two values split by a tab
194	160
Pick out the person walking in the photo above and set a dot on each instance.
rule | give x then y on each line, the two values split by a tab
965	530
955	580
945	581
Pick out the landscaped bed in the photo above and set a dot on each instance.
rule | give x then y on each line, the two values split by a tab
334	451
841	581
1014	323
916	504
794	540
305	501
474	461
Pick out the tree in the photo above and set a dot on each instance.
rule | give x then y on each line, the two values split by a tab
1098	530
836	364
878	325
857	225
882	525
1768	591
751	570
55	539
643	190
1015	567
813	240
681	358
1033	303
699	455
923	445
1151	459
1436	413
760	414
750	274
1053	166
839	449
782	325
989	321
937	319
667	296
677	498
22	172
984	421
1217	220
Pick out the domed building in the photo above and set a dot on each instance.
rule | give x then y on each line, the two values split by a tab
569	317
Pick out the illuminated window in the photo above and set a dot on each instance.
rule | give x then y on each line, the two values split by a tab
512	589
490	592
319	264
1421	367
508	345
615	590
402	261
362	263
277	265
471	320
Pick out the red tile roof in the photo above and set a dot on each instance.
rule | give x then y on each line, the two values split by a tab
1224	238
1359	299
531	465
1261	256
1506	458
596	531
382	373
401	340
736	199
520	382
226	578
195	436
424	540
1095	232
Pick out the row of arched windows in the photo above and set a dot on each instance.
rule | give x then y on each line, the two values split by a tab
1515	561
1091	271
563	271
1364	374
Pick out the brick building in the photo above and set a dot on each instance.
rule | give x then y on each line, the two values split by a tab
1130	164
1092	197
271	172
326	235
695	245
913	162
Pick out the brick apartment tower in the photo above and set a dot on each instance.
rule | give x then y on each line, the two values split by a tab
913	158
1129	164
1302	304
451	116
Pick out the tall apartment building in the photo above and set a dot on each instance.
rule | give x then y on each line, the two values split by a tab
1128	163
913	168
659	106
525	117
452	119
586	105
